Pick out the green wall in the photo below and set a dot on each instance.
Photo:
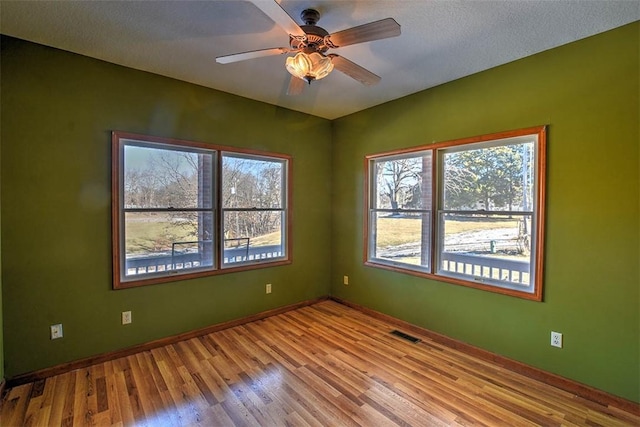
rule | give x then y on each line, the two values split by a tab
1	315
58	110
587	93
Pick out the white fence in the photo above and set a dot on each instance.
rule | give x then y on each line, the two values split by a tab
168	262
508	270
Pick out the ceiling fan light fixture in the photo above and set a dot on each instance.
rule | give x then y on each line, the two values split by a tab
308	67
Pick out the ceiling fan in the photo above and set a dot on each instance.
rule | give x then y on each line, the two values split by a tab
310	43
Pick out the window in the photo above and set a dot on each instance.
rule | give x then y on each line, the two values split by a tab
253	208
183	209
400	214
469	212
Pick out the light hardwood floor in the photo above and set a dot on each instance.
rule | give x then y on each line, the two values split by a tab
321	365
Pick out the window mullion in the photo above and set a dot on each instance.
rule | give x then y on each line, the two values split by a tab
400	210
254	210
142	210
484	212
435	204
218	220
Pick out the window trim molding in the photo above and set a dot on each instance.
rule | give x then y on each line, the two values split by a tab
117	166
539	208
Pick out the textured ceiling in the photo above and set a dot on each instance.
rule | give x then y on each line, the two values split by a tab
441	40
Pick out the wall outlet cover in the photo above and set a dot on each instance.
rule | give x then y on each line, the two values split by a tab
556	339
56	331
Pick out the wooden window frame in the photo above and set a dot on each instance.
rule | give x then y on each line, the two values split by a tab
119	140
536	265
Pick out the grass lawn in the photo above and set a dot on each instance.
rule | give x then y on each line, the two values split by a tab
155	236
149	235
398	231
266	239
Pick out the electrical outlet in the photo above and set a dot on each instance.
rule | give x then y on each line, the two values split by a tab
268	288
345	280
56	331
556	339
126	317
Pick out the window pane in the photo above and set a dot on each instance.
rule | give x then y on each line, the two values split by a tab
402	183
167	241
155	177
250	182
492	249
253	236
401	238
498	178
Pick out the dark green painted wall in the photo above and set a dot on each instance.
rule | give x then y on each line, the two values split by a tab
58	109
57	113
1	312
587	93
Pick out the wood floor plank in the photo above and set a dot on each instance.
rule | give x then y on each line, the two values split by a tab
48	395
246	357
83	387
145	387
208	345
113	404
171	379
57	402
125	401
132	391
252	351
187	409
321	365
252	403
238	413
31	415
314	403
152	368
15	405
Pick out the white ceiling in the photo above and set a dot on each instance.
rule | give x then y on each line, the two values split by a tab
441	40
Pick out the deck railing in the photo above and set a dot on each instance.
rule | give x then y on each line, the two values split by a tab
507	270
513	271
180	261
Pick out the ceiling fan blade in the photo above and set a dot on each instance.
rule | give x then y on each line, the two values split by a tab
274	11
354	71
296	86
236	57
377	30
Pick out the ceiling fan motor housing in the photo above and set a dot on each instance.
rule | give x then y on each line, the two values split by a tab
315	36
310	16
